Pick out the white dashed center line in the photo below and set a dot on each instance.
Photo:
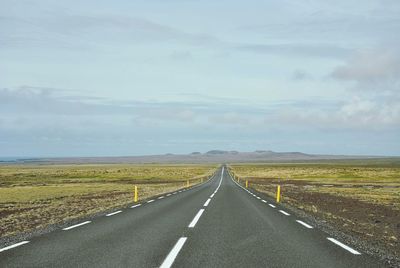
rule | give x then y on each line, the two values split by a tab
353	251
114	213
273	206
207	202
305	224
14	246
135	206
168	194
284	212
263	201
152	200
196	218
161	197
76	225
169	260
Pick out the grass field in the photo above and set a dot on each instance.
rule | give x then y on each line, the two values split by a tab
359	197
34	196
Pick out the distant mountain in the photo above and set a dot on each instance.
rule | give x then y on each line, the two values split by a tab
213	156
222	152
262	152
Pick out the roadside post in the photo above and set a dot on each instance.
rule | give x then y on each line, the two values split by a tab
247	184
135	196
278	194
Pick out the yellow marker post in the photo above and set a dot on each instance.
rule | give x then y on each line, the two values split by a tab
135	196
247	183
278	194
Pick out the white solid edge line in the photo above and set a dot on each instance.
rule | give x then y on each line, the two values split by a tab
284	212
196	218
353	251
271	205
169	260
258	197
76	225
152	200
135	206
305	224
207	202
262	200
14	246
113	213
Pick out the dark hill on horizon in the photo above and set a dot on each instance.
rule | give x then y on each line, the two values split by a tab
213	156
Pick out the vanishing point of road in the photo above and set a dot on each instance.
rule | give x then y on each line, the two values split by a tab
216	224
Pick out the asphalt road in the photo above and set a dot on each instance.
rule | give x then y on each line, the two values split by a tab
216	224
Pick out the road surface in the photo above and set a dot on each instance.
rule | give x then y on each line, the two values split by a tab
216	224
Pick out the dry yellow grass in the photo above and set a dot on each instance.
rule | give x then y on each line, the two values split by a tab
370	181
48	174
33	196
322	173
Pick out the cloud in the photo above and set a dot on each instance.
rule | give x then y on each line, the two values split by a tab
370	113
231	118
163	113
299	75
354	113
75	31
33	104
298	49
332	23
370	65
181	55
49	101
53	120
61	29
30	101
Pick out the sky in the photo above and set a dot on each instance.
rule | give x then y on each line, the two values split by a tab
126	77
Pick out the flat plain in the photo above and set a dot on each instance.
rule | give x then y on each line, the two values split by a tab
359	197
34	196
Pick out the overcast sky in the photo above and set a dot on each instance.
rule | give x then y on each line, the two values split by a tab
104	78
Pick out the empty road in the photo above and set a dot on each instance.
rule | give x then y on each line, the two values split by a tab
216	224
